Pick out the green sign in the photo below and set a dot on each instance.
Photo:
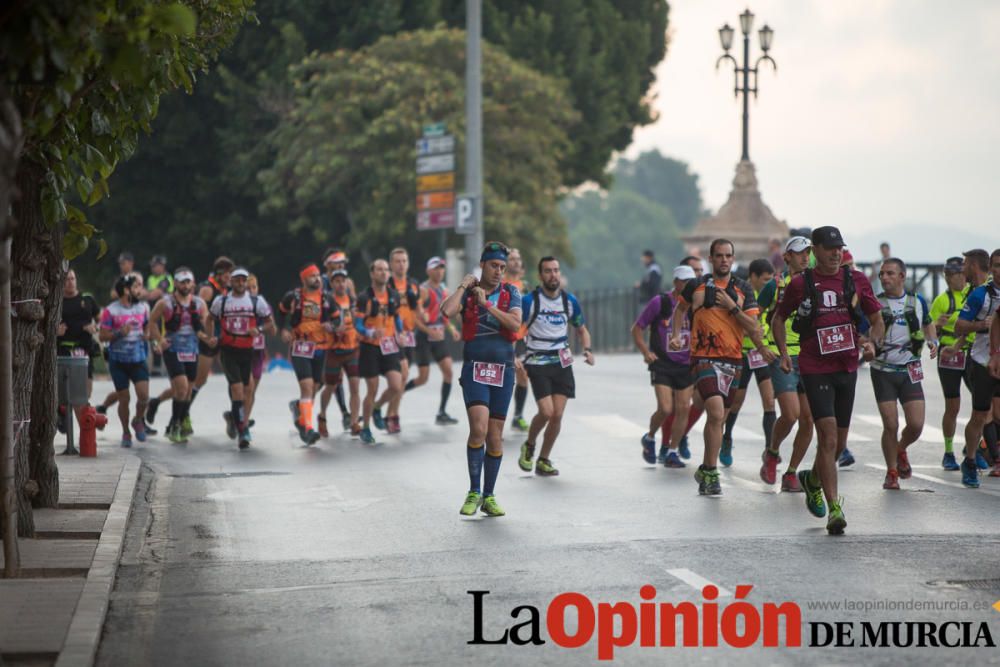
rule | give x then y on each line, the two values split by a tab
433	129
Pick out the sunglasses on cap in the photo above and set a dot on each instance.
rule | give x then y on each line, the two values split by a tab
494	246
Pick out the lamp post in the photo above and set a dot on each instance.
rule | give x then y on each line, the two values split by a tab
743	84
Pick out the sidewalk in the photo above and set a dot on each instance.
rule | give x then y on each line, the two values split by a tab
53	613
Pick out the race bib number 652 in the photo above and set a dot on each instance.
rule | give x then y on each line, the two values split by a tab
489	374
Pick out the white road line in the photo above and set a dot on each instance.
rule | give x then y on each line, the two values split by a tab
697	582
930	434
614	425
937	480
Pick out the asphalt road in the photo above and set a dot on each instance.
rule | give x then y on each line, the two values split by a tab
349	555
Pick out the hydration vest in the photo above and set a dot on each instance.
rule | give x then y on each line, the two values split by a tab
470	315
327	306
666	311
176	320
232	339
804	321
910	315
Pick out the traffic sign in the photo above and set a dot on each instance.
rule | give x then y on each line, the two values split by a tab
432	164
440	219
436	145
433	129
445	181
465	215
431	200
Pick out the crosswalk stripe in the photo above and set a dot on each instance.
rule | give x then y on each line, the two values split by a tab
938	480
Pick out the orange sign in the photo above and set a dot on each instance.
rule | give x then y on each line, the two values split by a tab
445	181
432	200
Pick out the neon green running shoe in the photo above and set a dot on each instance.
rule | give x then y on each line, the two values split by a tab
814	494
527	453
521	424
491	508
545	468
186	428
836	524
175	435
472	503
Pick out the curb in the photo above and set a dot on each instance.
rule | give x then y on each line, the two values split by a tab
84	635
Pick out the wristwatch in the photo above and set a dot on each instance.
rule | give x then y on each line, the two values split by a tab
735	310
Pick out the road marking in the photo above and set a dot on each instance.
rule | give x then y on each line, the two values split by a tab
697	582
614	425
937	480
930	434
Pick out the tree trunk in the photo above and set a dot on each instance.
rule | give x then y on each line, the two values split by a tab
35	282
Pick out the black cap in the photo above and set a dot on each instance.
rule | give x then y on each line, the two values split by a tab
158	259
953	265
828	237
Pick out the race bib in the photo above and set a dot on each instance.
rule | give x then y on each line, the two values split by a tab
916	371
486	373
388	345
258	342
79	352
237	325
724	379
187	357
565	357
303	348
839	338
755	359
409	340
955	362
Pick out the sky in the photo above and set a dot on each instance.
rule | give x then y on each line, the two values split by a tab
883	117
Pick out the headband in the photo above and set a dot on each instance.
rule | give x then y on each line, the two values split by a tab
311	270
181	276
493	254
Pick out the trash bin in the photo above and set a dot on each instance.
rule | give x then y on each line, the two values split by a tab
71	380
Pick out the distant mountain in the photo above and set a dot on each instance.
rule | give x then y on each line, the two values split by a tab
920	243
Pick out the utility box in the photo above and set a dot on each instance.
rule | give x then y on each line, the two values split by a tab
71	380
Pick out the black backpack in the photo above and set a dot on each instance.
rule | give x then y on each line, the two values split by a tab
666	312
804	321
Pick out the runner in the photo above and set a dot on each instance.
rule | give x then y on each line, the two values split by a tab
123	326
761	274
952	356
126	268
259	357
722	308
431	342
181	316
975	317
515	276
669	371
307	317
158	283
896	371
342	355
409	311
491	318
335	259
241	318
788	388
549	362
376	317
828	358
75	334
216	285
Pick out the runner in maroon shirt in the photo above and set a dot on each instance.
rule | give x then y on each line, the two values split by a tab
828	313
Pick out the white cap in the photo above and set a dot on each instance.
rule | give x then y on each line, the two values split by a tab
797	244
684	272
240	272
435	262
181	276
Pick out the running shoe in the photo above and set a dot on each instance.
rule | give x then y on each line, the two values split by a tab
769	471
150	430
392	425
345	421
970	474
726	453
355	429
995	472
683	448
491	507
151	408
648	448
186	428
127	442
948	462
321	422
790	483
544	468
175	435
102	409
520	423
836	524
891	482
293	406
527	453
846	458
708	482
661	457
140	429
814	495
230	425
471	504
444	419
673	461
377	419
903	465
981	461
245	438
366	436
312	437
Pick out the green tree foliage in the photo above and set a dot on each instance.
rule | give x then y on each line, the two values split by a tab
610	230
663	180
344	150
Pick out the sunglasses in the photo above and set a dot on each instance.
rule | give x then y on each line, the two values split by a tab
494	246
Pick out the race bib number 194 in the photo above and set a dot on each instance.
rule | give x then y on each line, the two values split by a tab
839	338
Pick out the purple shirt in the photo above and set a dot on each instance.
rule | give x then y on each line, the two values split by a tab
662	332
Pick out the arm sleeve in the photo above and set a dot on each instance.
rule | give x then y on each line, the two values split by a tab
973	304
650	313
577	319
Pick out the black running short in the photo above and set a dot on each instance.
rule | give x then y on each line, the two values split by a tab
952	379
549	379
762	374
175	367
669	374
237	363
892	386
831	395
206	351
430	350
310	368
372	363
985	387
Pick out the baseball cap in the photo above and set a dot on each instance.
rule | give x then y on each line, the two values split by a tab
181	276
240	272
828	237
126	257
339	272
336	258
797	244
954	265
158	259
435	262
684	272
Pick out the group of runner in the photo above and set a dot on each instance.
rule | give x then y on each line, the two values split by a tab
802	336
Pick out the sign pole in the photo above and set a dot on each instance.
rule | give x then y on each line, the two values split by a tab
473	129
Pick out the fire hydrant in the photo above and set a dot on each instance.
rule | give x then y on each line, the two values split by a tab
90	421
